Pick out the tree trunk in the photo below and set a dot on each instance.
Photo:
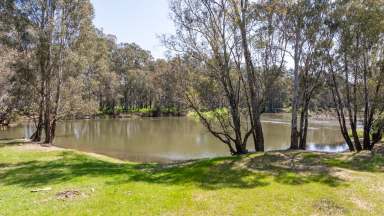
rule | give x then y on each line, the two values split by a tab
47	114
259	137
304	126
367	139
36	136
252	85
296	89
295	103
340	110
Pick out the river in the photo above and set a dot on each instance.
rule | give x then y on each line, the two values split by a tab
166	139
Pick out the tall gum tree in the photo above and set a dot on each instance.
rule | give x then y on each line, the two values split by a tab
308	39
205	31
356	70
57	25
263	44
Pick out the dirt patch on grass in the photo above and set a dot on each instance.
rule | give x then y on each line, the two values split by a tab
328	207
343	174
289	160
378	149
69	195
37	147
202	196
380	189
362	204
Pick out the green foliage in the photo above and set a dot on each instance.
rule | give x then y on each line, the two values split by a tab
210	115
143	110
169	110
139	110
359	131
378	125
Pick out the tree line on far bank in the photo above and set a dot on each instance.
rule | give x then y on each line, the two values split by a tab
230	61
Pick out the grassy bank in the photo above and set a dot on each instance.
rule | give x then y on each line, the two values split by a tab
278	183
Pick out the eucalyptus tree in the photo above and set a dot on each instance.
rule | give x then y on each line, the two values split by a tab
132	65
205	31
101	69
263	43
356	70
6	58
57	25
165	80
16	65
308	39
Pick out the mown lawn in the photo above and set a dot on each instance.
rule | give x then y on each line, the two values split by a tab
276	183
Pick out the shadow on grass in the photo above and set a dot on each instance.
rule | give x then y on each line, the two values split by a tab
358	161
233	172
293	169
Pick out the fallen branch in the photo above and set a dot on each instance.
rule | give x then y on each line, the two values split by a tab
41	189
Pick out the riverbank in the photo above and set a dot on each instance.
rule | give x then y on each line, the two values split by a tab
47	181
136	113
143	112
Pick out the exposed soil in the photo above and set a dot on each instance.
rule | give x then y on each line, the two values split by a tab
68	194
378	149
37	147
328	207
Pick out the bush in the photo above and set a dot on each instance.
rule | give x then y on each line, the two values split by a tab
210	115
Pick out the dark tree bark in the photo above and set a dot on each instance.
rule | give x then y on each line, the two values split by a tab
255	110
295	92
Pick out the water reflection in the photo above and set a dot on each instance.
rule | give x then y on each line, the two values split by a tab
327	147
163	139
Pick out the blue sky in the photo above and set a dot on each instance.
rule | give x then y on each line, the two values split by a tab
138	21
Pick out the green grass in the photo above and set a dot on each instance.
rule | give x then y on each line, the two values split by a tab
276	183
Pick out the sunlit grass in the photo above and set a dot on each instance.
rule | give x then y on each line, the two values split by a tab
287	183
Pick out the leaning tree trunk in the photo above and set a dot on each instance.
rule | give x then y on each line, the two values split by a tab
259	137
47	114
36	136
239	145
339	108
252	85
